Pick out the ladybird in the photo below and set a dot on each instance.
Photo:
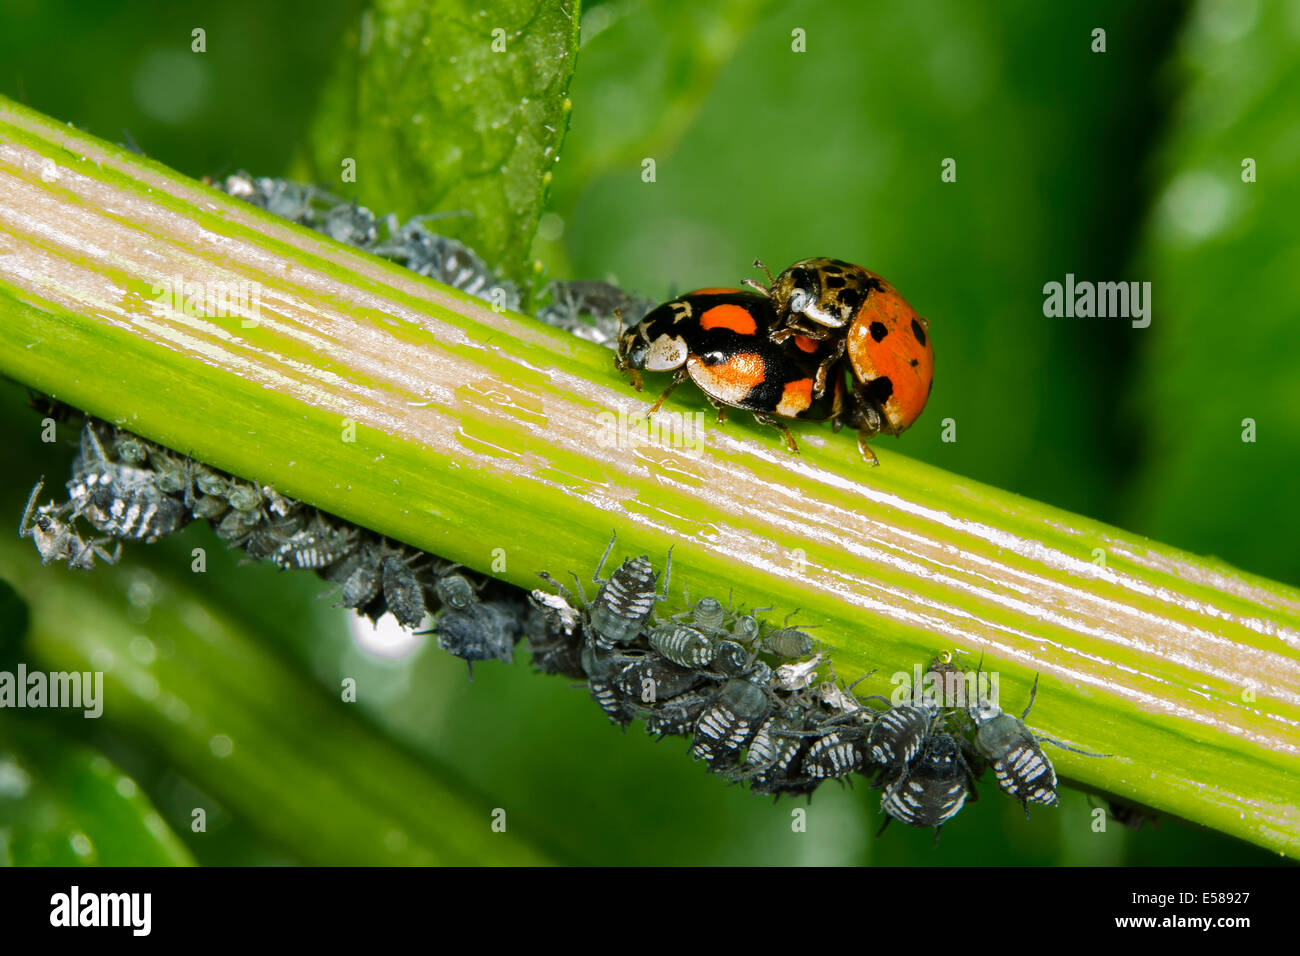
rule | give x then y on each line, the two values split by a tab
722	340
852	310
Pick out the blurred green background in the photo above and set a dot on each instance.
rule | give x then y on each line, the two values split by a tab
1122	165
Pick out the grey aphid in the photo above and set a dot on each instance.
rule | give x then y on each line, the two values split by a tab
682	645
454	590
624	602
483	631
835	754
603	669
730	659
799	675
403	592
120	500
933	789
57	540
651	679
729	722
677	716
898	735
788	642
1023	770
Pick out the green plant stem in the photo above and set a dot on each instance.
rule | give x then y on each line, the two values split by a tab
478	436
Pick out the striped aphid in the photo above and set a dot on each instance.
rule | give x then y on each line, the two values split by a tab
1023	771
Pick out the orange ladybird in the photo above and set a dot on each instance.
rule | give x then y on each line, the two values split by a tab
858	314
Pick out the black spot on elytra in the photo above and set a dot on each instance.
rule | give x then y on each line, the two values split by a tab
878	331
914	363
849	299
918	332
879	390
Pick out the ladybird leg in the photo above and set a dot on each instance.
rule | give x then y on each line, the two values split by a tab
633	374
824	370
722	410
781	426
865	451
677	380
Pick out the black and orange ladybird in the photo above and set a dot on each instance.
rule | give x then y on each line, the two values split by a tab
853	311
721	339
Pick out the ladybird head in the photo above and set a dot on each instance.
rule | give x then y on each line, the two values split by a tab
828	292
889	350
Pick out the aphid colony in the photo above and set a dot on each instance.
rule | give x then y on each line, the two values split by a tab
749	698
129	489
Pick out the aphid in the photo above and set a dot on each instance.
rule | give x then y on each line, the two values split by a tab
316	546
788	642
759	672
1131	815
727	724
745	628
278	504
556	645
682	645
476	633
624	601
897	737
652	678
121	500
592	310
798	676
836	698
677	716
352	224
454	590
447	261
1023	771
731	659
948	682
357	574
266	538
558	608
708	616
174	473
131	449
834	754
933	789
57	540
603	668
772	758
480	632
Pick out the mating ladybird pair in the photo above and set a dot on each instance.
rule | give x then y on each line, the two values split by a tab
825	341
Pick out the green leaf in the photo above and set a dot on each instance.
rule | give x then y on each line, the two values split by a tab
63	804
448	107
